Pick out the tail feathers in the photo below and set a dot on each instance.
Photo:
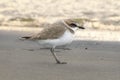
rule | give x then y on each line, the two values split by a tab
24	38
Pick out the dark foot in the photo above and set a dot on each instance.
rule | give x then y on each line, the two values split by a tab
61	62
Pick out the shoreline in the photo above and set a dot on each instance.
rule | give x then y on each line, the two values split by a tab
93	35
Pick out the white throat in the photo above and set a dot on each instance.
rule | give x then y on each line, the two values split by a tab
74	29
68	27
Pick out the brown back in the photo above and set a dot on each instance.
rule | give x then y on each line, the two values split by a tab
51	32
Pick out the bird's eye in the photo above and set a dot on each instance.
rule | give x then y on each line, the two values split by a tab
73	25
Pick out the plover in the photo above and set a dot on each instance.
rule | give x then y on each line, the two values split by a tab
56	35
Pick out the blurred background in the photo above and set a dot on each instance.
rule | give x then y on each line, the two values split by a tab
97	14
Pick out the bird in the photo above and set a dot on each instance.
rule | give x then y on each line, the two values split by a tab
57	34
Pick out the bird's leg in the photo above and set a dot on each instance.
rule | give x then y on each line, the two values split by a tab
55	56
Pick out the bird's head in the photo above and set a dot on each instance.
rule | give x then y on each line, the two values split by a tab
73	25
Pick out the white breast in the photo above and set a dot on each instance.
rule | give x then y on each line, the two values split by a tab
66	38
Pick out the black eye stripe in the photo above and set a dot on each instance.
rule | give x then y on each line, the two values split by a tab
73	25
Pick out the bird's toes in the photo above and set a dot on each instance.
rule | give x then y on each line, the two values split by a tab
61	62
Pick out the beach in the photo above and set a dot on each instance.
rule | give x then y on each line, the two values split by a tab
87	60
93	55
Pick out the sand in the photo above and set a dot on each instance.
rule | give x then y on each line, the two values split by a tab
88	60
95	54
106	11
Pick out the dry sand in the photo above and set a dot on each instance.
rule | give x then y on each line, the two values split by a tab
106	11
101	9
100	61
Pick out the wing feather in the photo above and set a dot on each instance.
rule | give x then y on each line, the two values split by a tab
51	32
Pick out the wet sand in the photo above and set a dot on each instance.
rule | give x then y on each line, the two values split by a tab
88	60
